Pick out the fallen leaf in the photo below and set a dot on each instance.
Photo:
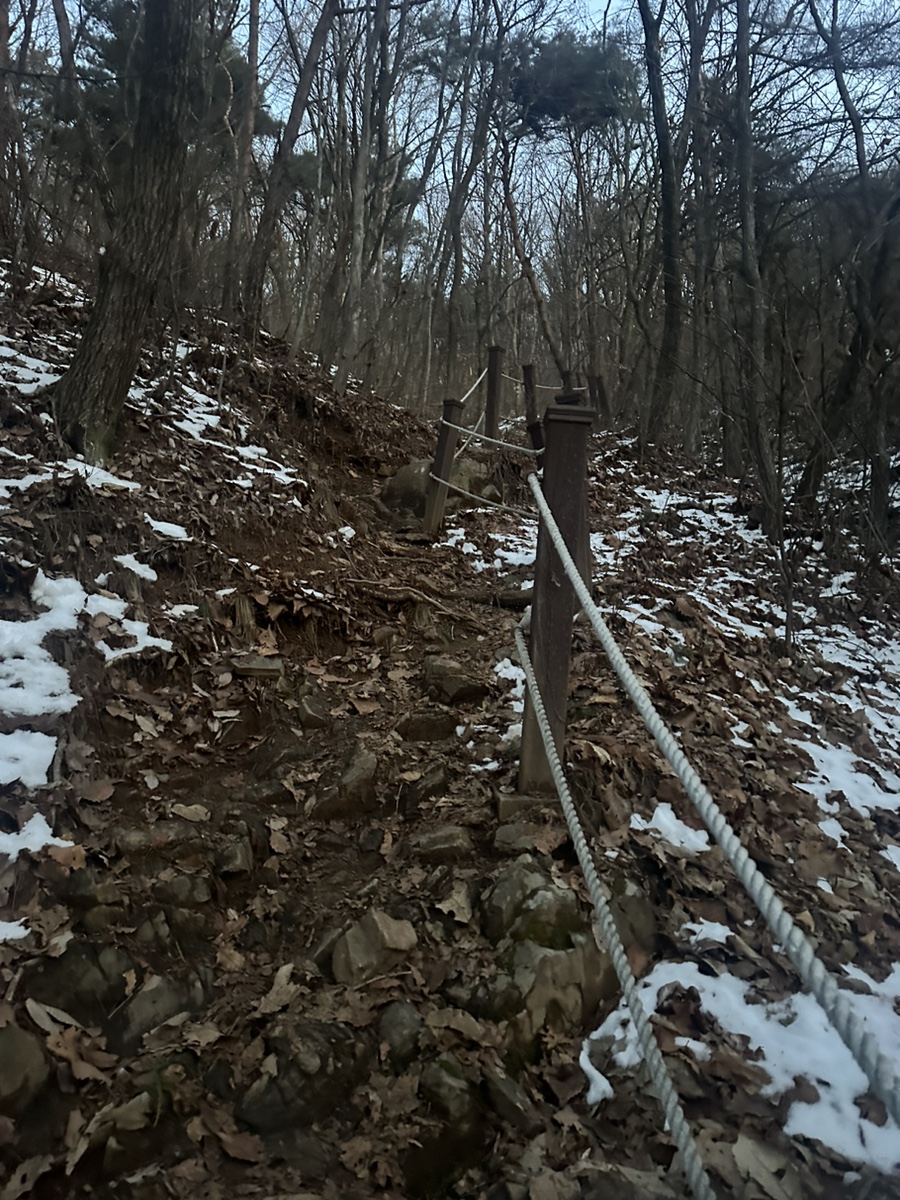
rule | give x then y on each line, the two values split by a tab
280	994
191	812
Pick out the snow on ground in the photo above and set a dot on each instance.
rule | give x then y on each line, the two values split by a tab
790	1038
793	1039
33	686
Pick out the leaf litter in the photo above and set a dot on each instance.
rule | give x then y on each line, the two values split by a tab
234	654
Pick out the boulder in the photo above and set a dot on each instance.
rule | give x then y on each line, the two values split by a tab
399	1027
449	843
373	946
427	725
450	682
314	1070
348	793
445	1087
24	1069
405	491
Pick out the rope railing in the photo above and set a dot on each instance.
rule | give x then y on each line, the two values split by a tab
518	512
482	437
861	1043
474	386
472	432
541	387
691	1162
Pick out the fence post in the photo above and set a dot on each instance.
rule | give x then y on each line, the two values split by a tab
492	404
532	420
567	426
436	493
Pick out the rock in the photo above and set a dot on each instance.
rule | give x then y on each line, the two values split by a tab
400	1026
515	839
321	953
448	681
494	999
549	917
92	981
447	844
414	792
352	793
237	858
85	888
562	989
257	666
104	916
427	725
312	713
503	901
633	912
154	930
317	1068
24	1069
182	890
510	1103
405	492
475	476
170	835
511	805
524	904
373	946
449	1093
155	1003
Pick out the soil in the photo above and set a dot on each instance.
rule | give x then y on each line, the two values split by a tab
238	802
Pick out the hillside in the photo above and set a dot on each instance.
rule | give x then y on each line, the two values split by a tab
276	924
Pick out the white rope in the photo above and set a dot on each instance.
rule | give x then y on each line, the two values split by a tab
478	424
840	1012
474	386
543	387
519	512
483	437
691	1163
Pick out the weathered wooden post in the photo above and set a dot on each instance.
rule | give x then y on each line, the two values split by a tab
567	426
532	420
436	493
492	404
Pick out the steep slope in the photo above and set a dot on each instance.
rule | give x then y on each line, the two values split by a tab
277	923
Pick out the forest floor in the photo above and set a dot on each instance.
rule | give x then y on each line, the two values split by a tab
249	714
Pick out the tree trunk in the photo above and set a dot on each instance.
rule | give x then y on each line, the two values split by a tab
753	374
89	398
279	186
239	228
667	361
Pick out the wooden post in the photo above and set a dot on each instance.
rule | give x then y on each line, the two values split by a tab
532	420
492	404
567	386
436	493
567	426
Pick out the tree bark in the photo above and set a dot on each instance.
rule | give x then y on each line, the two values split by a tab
667	361
239	228
278	189
753	375
89	398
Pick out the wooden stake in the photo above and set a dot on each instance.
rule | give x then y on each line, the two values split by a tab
567	426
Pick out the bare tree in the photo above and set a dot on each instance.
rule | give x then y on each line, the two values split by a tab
89	398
